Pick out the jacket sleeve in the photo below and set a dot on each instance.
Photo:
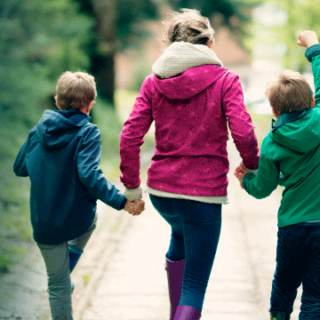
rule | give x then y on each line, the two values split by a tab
313	55
132	135
267	179
240	124
91	175
20	164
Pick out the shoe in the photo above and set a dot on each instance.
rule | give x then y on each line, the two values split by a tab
175	271
74	256
277	315
187	313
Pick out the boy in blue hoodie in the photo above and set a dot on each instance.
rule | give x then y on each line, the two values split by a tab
61	157
290	157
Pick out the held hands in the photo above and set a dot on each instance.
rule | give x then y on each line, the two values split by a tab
307	39
134	207
240	172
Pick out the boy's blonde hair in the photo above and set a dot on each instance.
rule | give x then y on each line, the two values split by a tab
75	90
189	26
289	92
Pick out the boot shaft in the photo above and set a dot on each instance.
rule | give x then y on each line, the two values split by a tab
277	315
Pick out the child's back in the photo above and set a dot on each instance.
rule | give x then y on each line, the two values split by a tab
290	157
61	156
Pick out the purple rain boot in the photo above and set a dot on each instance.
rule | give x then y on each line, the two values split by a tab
187	313
175	276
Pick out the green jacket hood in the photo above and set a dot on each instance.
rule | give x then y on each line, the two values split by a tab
298	131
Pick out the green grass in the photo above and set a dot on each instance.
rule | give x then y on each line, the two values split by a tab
125	100
15	227
106	118
262	122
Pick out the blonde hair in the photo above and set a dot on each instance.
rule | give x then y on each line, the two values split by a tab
189	26
289	92
75	90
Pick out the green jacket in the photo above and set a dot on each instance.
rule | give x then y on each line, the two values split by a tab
290	157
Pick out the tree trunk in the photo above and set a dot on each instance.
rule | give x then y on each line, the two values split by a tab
105	12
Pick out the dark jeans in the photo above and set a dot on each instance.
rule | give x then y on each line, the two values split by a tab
195	236
298	261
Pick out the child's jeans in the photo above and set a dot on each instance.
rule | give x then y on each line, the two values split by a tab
298	261
56	258
195	236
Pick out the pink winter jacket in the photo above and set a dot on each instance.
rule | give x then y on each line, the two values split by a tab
191	112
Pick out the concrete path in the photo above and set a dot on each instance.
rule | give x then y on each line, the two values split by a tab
129	282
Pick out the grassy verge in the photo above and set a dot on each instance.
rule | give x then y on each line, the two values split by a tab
262	122
107	119
124	103
15	228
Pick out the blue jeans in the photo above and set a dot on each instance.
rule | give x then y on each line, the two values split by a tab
298	261
195	235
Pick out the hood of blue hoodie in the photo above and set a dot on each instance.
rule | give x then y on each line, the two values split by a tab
299	131
57	128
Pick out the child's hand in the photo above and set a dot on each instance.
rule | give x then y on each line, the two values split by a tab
240	172
134	207
307	39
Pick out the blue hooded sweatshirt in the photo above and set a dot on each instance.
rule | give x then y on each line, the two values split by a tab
61	156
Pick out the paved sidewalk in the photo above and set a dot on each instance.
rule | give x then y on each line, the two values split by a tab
131	282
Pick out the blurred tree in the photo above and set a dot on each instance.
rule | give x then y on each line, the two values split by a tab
119	23
232	13
299	15
38	41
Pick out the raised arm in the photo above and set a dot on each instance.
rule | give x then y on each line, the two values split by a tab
309	39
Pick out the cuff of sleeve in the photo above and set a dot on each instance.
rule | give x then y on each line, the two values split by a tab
254	171
312	51
123	203
133	194
247	177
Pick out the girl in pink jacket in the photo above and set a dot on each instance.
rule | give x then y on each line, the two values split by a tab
192	100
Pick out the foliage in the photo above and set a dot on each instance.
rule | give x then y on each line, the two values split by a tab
38	41
110	126
234	14
280	30
132	15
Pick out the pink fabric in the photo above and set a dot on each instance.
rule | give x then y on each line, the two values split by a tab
191	112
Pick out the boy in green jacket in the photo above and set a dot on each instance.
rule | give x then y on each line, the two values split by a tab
290	157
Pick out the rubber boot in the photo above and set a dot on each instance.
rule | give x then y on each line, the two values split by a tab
277	315
74	256
187	313
175	271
